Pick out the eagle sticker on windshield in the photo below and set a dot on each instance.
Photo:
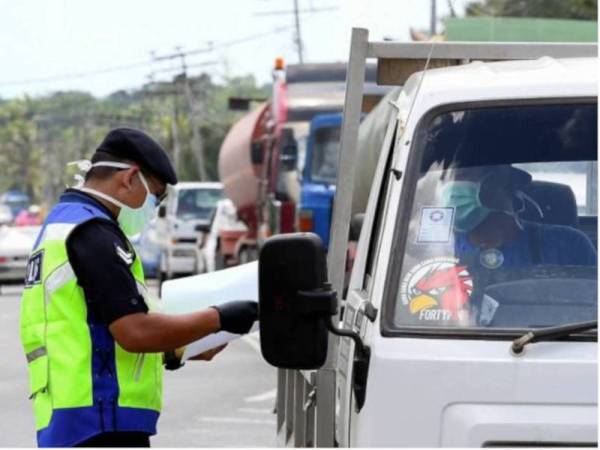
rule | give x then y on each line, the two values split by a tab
437	289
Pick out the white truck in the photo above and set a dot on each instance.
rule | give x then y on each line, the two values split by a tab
221	237
470	316
188	208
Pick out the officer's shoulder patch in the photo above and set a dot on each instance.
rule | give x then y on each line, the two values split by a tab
33	273
126	257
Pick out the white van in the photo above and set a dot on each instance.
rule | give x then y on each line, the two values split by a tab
188	205
471	314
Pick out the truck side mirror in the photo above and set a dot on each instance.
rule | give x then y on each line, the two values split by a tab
295	302
162	211
288	150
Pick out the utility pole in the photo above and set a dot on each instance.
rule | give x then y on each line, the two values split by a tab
298	35
175	134
197	143
174	112
296	12
432	26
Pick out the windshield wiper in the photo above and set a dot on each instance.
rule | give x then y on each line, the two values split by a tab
545	334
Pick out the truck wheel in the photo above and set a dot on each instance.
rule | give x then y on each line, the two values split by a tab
248	254
219	261
201	265
162	277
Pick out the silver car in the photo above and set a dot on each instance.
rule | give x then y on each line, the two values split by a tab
6	216
15	245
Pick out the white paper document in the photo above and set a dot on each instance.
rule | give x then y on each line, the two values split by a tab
198	292
435	226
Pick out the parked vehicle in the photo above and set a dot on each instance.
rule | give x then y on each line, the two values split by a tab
6	216
218	249
29	217
438	341
319	175
188	205
261	157
149	250
15	245
15	200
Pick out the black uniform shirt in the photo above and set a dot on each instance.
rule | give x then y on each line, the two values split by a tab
97	251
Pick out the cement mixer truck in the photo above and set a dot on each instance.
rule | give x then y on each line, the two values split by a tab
262	157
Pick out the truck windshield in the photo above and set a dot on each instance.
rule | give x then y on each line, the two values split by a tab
325	155
502	230
197	204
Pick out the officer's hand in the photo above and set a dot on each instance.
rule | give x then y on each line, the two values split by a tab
237	316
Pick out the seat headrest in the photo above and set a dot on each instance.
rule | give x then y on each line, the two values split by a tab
556	200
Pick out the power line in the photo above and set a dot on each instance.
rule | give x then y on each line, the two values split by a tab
300	11
73	75
189	66
136	65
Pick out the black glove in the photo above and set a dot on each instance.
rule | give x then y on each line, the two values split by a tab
237	316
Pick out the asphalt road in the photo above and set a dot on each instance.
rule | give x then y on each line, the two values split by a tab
227	402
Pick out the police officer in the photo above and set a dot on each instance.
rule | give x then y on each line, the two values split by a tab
94	341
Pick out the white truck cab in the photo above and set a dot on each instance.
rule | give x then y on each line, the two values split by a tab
188	206
470	316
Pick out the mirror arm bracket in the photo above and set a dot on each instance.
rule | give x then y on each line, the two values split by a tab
361	349
360	369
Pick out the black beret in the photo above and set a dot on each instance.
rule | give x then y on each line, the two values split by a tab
137	146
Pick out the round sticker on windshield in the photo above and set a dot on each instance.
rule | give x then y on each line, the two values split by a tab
437	289
491	258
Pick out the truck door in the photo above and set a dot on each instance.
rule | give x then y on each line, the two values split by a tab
359	311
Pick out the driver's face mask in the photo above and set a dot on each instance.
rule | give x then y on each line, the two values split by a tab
474	201
463	196
131	220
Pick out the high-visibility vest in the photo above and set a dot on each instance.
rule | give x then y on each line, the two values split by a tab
82	382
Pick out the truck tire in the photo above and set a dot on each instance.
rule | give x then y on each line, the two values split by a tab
248	254
162	277
219	261
163	274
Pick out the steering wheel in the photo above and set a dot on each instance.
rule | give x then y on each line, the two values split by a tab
538	296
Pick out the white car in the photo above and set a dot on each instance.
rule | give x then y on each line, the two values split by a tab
15	245
6	216
187	206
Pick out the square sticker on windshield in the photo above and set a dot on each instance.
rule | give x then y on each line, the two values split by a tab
435	226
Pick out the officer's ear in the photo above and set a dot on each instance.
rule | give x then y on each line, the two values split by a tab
128	177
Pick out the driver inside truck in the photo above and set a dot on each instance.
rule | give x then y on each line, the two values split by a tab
491	237
489	229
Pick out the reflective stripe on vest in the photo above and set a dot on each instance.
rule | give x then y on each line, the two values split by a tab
81	381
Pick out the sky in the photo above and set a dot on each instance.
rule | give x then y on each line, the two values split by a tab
42	41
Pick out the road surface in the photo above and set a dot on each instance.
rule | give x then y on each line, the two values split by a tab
224	403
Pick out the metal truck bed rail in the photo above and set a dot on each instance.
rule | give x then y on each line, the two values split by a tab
306	400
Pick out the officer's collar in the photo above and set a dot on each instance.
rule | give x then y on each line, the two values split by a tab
76	196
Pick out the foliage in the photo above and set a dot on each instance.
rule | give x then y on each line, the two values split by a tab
549	9
39	136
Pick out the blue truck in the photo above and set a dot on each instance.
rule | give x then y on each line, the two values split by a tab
319	175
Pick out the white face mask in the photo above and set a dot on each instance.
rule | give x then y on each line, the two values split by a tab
131	220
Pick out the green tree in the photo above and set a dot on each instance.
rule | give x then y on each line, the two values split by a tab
20	152
549	9
39	136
